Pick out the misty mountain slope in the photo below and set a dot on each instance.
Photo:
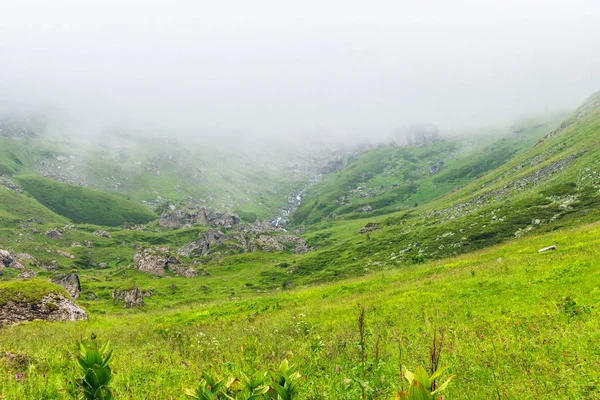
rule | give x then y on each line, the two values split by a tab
555	183
228	175
390	178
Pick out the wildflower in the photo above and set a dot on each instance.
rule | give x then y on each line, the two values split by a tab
20	377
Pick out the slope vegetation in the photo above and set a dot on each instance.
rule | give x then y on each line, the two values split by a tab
84	205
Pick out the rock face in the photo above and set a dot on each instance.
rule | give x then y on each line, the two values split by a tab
70	282
52	307
178	217
157	260
133	297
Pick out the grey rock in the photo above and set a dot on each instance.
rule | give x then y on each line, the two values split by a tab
70	282
545	249
158	260
52	307
191	215
102	233
370	227
133	297
53	234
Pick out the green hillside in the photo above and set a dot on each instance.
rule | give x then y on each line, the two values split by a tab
16	207
390	178
83	205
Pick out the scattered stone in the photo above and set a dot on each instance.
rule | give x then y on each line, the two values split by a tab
53	234
367	208
102	233
181	270
65	254
370	227
51	266
91	296
27	274
545	249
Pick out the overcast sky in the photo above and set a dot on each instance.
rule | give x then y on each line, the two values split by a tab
286	68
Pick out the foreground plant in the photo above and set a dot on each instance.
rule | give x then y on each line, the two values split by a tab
282	386
93	362
422	386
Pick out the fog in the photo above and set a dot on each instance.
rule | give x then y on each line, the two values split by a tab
272	69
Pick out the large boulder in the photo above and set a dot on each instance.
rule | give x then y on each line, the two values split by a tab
70	282
48	304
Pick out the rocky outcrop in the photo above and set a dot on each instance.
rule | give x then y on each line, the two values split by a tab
130	298
53	234
186	216
234	242
201	246
51	307
158	260
70	282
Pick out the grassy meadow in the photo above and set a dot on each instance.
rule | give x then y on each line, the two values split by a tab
515	324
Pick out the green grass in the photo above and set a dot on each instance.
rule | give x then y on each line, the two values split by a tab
84	205
16	207
515	322
27	291
393	178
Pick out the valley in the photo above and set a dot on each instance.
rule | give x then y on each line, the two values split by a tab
192	257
